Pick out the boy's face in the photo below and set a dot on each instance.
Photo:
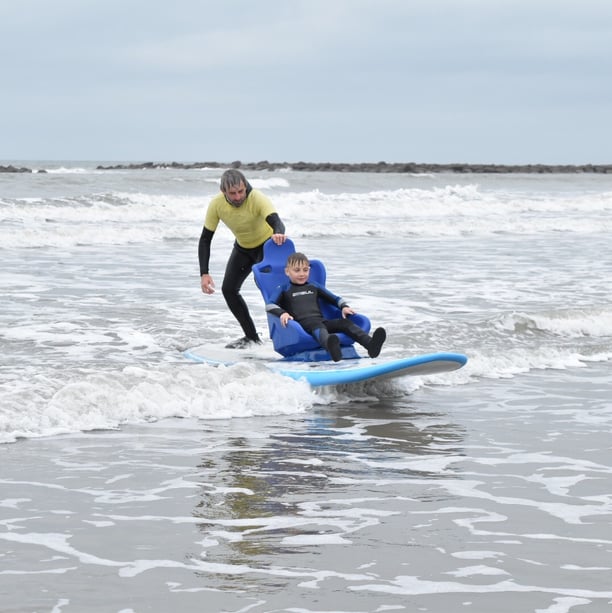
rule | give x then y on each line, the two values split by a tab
298	273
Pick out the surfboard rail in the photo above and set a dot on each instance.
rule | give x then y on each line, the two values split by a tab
319	374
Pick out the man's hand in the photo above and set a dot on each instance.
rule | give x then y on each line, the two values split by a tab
207	284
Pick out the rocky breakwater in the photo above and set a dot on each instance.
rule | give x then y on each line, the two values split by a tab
18	169
378	167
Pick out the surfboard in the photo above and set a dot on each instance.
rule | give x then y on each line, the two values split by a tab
328	373
365	369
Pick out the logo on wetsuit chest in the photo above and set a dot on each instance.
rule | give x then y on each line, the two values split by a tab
305	292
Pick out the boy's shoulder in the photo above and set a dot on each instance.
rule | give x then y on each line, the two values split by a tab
315	284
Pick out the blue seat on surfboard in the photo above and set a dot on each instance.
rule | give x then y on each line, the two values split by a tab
292	341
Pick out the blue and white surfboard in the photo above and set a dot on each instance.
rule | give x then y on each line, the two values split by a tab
322	373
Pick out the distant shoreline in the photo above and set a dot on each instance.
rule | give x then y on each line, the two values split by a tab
378	167
374	167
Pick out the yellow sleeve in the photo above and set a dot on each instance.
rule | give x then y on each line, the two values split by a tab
212	219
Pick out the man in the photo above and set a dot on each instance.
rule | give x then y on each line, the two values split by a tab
251	217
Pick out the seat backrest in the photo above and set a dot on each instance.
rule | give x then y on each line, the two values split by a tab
270	272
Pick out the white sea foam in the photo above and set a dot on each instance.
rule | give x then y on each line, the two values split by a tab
592	322
99	400
265	184
452	211
72	170
100	286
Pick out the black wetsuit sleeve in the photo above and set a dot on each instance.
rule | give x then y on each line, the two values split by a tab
274	221
204	250
330	297
274	306
274	309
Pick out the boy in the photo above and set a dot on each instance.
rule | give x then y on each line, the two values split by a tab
298	300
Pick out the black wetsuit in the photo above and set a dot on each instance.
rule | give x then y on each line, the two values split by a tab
302	303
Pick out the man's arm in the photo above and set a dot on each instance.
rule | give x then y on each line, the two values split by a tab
274	221
204	250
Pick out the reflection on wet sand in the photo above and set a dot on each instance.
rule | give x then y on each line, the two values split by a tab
300	483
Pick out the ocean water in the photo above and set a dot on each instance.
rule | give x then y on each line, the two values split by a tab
134	480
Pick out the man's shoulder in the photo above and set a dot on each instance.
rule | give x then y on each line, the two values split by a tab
258	198
256	193
216	202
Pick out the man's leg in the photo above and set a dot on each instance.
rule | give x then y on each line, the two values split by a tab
237	270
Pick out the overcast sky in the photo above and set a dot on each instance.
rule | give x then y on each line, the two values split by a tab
497	81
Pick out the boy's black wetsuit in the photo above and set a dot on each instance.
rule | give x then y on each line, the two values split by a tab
301	302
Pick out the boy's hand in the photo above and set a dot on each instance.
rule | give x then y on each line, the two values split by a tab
347	311
284	318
